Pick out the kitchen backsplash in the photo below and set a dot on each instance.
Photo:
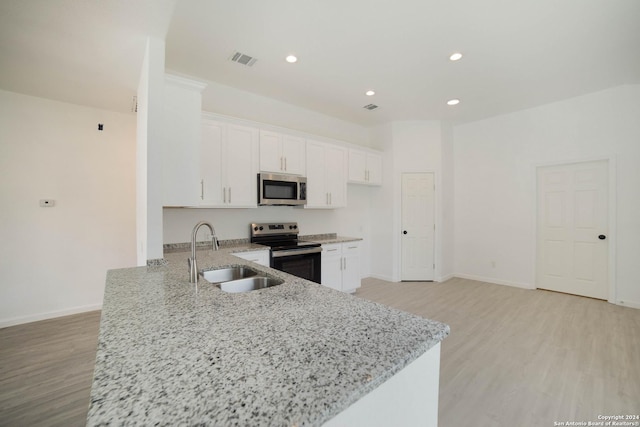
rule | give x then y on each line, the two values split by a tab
352	220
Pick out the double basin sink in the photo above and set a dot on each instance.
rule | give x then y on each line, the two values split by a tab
239	279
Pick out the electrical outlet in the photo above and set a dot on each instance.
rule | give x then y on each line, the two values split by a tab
47	203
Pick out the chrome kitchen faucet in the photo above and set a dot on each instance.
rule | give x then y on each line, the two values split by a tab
193	265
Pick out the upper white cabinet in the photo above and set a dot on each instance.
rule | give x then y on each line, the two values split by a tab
365	167
282	153
228	165
181	141
326	175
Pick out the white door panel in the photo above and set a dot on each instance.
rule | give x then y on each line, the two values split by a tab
418	219
572	214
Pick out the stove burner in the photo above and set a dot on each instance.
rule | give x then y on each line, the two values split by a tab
288	254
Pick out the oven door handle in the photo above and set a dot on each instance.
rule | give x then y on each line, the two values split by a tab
278	254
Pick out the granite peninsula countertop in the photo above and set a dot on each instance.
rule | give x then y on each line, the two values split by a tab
329	238
297	354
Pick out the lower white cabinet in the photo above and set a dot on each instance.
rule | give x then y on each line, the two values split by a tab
259	257
341	266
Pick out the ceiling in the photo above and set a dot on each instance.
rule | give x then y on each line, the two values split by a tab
517	54
87	52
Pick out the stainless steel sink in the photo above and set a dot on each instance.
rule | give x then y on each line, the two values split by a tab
228	274
239	279
250	284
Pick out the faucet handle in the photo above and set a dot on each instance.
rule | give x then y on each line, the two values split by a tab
215	245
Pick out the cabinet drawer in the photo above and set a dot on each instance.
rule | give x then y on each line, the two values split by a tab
349	247
332	249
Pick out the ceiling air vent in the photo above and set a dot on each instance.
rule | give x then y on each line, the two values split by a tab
243	59
370	106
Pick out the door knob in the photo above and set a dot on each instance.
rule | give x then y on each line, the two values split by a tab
602	237
404	232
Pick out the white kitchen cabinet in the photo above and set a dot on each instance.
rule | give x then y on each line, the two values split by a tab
351	279
326	176
181	141
259	257
282	153
365	168
341	266
331	266
228	165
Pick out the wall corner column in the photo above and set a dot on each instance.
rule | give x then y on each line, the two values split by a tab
149	153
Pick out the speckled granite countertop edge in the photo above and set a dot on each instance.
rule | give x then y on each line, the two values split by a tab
145	300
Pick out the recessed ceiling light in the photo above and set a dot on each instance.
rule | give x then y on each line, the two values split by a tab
369	93
291	59
453	102
455	56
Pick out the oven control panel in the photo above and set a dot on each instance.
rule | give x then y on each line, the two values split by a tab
274	228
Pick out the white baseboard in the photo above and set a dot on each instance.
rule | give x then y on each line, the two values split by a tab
627	303
49	315
445	278
494	281
381	277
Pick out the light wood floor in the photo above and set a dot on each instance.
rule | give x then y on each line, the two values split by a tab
520	357
46	370
514	357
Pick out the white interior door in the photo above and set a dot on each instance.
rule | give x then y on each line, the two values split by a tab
418	226
572	242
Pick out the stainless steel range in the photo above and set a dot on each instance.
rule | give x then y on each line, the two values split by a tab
288	254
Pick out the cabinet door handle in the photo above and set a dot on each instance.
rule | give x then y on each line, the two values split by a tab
345	263
202	189
281	164
353	247
224	194
331	250
285	164
229	194
330	199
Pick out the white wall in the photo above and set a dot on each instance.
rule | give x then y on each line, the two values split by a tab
351	221
383	239
149	148
225	100
447	198
53	260
495	163
409	146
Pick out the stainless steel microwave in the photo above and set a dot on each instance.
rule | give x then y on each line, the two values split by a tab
281	190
